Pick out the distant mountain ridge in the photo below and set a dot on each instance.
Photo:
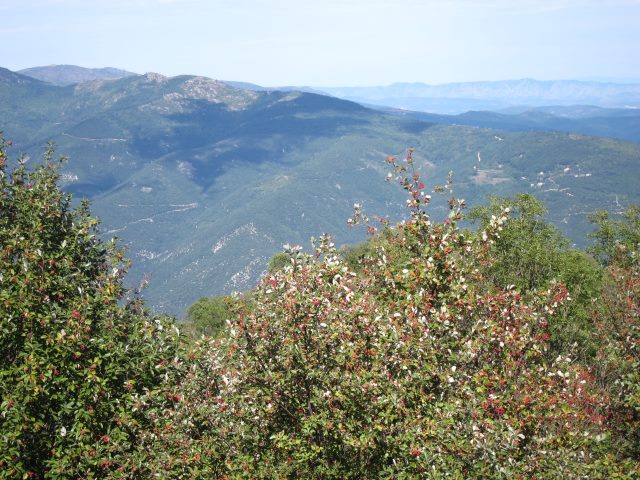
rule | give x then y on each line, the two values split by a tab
449	98
618	123
456	98
63	75
285	88
9	78
523	88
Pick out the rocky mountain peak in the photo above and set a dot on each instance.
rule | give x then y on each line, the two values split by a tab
155	77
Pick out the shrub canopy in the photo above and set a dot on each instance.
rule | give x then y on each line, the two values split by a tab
77	366
405	370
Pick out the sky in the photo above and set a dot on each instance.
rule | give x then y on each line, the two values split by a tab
330	42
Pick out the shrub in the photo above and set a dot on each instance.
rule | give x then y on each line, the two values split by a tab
616	239
530	254
405	370
81	375
209	315
278	261
618	331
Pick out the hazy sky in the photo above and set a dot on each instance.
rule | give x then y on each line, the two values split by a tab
329	42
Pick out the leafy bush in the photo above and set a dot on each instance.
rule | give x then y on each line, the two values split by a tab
618	330
617	239
81	376
530	254
209	315
410	365
278	261
406	370
529	251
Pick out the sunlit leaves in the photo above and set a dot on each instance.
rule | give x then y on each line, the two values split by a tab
76	367
405	368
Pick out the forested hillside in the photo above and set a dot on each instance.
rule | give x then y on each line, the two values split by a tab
204	182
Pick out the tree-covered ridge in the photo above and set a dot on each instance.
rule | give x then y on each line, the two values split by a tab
408	357
63	75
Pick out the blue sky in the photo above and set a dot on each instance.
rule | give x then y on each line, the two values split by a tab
330	42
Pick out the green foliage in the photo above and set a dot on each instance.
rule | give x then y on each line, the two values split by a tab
353	255
530	254
81	376
572	328
616	239
357	256
529	249
209	315
405	370
278	262
618	330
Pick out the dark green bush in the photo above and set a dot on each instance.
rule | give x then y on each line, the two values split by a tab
81	375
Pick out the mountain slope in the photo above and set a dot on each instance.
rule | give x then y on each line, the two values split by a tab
204	182
623	124
63	75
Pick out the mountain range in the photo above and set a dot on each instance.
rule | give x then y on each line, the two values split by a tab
204	181
621	123
449	98
455	98
63	75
